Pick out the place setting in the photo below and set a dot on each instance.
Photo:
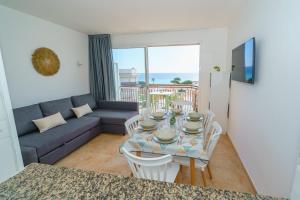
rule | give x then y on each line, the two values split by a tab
165	135
195	116
147	125
158	115
192	127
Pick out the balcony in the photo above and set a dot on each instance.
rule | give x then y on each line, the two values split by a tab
161	95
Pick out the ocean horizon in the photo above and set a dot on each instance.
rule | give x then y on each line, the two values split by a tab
166	78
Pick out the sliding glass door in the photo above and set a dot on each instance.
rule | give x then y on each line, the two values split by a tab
156	76
173	74
130	75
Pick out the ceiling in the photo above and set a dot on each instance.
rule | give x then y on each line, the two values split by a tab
131	16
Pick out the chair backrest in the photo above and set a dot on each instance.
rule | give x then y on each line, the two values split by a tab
132	124
185	106
214	133
148	168
159	103
208	118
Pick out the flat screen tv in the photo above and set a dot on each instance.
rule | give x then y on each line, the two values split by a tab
243	62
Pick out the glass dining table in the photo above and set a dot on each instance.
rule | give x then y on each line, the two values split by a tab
187	145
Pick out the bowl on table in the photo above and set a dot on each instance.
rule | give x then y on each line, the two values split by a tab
192	127
158	115
147	124
165	134
195	116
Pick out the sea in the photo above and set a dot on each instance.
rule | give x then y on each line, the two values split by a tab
166	78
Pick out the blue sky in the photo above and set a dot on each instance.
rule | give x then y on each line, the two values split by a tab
167	59
128	58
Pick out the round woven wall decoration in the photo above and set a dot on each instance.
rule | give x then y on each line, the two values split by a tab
45	61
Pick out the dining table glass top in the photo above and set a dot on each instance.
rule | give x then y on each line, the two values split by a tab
190	145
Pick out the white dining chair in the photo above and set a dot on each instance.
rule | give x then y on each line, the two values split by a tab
132	124
214	133
160	168
207	121
185	106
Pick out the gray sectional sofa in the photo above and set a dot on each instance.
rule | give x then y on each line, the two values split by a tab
52	145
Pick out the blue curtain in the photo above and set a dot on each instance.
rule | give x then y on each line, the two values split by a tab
102	80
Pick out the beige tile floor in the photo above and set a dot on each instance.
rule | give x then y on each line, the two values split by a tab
102	155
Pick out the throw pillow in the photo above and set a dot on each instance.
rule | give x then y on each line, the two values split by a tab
49	122
82	110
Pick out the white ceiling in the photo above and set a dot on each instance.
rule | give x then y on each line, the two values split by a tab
124	16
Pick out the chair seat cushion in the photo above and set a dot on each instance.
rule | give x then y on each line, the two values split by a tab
113	116
53	138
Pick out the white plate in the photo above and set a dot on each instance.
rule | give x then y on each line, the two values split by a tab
158	114
192	126
195	115
173	140
165	134
146	129
194	120
200	130
158	119
147	124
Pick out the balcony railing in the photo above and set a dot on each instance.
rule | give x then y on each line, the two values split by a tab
161	95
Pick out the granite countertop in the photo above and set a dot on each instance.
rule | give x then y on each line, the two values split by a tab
39	181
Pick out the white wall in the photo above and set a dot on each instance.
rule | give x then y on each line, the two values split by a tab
264	124
20	35
213	45
10	154
295	195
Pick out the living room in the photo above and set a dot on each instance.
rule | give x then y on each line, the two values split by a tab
258	150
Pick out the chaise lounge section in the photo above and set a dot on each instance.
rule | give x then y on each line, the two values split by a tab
50	146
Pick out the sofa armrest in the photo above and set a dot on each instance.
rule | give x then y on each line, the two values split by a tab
118	105
29	155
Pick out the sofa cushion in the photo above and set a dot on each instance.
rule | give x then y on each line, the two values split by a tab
24	116
118	105
78	126
113	116
53	138
43	142
64	106
84	99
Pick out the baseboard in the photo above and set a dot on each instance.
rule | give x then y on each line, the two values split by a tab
236	152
